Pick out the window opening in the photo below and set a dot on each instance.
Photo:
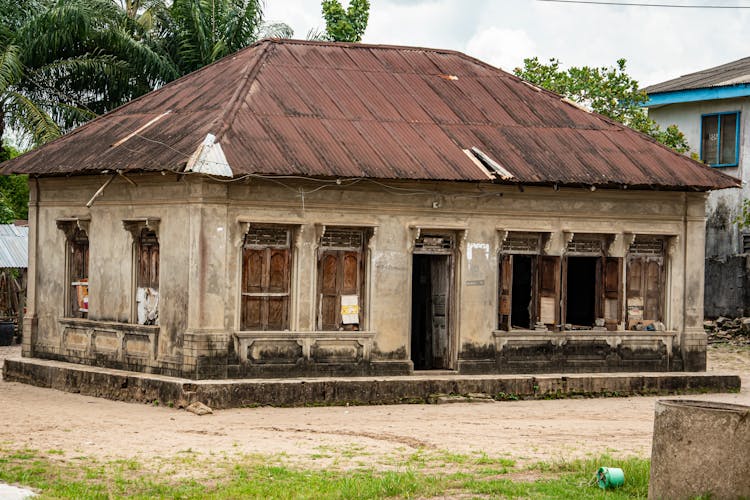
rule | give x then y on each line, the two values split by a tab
745	242
341	280
719	139
78	274
147	278
645	284
580	308
266	278
529	284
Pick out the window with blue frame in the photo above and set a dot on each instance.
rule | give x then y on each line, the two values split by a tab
720	139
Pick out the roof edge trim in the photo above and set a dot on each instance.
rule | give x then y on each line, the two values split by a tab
695	95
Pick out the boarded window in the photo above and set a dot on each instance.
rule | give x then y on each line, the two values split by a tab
341	279
266	278
147	277
645	283
78	274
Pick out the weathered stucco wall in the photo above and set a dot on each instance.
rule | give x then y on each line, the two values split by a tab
201	230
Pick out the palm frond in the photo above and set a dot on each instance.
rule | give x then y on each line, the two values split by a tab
30	118
11	68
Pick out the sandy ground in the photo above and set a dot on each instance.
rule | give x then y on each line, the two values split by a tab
44	419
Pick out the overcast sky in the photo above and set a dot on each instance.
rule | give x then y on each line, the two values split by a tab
659	43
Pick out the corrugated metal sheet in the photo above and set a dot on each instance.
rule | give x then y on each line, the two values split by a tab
284	107
14	246
732	73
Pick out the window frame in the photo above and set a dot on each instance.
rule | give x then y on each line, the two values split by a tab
136	228
70	228
342	253
736	162
268	249
644	260
72	283
525	246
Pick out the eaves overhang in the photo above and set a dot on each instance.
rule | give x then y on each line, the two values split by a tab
697	95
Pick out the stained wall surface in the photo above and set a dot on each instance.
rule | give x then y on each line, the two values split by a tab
201	225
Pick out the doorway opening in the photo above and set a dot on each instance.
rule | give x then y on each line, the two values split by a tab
430	312
520	313
581	291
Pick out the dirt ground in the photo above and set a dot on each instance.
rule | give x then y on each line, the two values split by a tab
44	419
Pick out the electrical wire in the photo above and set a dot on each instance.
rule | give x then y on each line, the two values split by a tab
641	4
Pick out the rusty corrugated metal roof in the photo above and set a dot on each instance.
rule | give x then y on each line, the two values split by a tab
285	107
731	73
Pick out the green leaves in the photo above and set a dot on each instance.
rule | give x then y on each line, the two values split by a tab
62	62
346	25
196	33
609	91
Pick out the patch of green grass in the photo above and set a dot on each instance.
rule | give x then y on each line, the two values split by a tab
259	476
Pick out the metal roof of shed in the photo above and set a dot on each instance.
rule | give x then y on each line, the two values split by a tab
321	109
14	246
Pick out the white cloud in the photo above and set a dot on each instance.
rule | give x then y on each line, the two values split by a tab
658	43
501	47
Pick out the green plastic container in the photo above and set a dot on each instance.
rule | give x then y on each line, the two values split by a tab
610	477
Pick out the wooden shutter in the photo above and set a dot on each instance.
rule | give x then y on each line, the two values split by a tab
265	288
339	273
611	303
652	286
329	285
645	289
148	260
548	302
504	292
78	274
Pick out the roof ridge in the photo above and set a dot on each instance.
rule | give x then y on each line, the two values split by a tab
383	46
251	72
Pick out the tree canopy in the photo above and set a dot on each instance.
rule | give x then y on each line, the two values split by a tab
609	91
64	61
346	25
195	33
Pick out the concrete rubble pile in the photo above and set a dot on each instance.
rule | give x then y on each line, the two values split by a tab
728	331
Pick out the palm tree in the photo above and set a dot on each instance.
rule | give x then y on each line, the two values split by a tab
64	61
199	32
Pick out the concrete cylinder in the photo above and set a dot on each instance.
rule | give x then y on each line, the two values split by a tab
700	448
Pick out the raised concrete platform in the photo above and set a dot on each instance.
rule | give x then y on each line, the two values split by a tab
423	388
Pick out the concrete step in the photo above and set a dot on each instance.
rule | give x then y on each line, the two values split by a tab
143	387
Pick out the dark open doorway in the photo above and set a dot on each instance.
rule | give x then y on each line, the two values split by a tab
581	291
520	314
430	313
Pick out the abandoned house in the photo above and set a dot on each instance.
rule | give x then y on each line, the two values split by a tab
312	208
